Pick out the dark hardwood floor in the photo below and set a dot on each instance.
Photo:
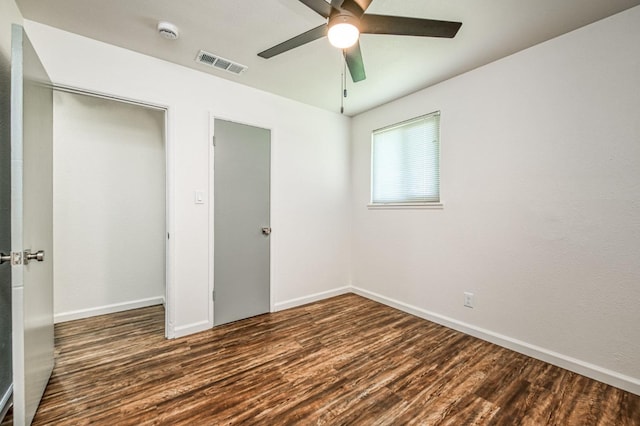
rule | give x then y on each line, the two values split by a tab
341	361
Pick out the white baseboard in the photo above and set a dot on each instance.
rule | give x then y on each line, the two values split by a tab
613	378
185	330
292	303
107	309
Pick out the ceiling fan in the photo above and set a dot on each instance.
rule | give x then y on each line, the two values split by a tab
346	20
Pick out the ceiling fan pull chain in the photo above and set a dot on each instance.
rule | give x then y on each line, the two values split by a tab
342	98
344	73
343	81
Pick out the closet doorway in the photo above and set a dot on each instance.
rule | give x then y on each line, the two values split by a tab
110	205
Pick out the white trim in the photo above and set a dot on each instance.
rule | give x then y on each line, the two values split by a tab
613	378
299	301
170	252
402	206
407	122
196	327
210	213
70	89
107	309
273	222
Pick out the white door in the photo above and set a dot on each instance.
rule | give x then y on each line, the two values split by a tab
242	161
31	227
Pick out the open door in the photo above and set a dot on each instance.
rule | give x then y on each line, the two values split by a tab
31	227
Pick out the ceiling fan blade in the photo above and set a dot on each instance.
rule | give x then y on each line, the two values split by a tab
297	41
356	7
353	56
321	7
364	4
336	4
398	25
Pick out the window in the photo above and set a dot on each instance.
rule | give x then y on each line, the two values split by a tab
405	164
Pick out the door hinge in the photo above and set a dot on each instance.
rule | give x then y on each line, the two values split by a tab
213	295
213	140
15	257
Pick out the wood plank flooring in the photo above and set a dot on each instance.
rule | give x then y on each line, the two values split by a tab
342	361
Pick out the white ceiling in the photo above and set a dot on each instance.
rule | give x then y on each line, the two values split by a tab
395	65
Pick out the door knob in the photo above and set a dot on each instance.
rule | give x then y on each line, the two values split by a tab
266	231
15	257
39	256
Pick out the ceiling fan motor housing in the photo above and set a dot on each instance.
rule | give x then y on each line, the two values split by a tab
356	7
344	18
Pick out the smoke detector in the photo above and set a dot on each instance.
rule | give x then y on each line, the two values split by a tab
168	30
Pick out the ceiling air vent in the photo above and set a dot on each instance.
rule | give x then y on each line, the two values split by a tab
216	61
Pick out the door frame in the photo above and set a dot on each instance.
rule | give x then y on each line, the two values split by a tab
272	220
169	138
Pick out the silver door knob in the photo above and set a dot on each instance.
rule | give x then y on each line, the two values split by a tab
4	258
39	256
266	231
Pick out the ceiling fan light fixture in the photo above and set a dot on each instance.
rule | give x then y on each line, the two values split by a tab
343	33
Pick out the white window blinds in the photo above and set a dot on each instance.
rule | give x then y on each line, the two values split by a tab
405	166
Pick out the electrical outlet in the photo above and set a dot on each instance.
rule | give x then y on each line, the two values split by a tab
468	299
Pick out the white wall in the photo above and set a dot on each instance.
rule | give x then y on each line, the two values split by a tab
541	186
109	206
310	158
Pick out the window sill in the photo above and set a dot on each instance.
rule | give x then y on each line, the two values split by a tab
403	206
